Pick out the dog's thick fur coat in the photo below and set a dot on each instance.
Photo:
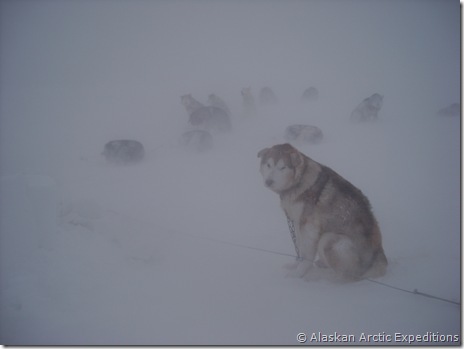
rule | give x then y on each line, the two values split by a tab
334	224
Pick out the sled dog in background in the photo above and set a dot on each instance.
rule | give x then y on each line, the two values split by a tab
197	140
310	94
368	109
334	225
304	134
267	96
210	118
123	151
190	103
451	110
248	103
216	101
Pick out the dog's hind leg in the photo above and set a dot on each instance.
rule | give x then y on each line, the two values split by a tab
339	253
378	267
291	265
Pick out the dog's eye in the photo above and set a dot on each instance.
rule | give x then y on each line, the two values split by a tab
268	166
283	168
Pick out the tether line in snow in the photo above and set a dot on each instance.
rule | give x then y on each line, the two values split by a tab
224	242
415	292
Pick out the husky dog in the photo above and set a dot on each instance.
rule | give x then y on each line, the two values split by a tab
216	101
303	133
249	107
310	94
197	140
334	225
123	151
451	110
267	96
211	118
368	109
208	117
190	103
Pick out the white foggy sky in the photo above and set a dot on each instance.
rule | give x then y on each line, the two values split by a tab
213	42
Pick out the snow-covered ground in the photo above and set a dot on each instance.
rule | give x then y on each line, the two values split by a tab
188	248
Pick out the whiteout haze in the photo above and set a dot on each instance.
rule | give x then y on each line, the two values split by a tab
93	252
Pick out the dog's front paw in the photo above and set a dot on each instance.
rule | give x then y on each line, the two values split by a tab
302	267
314	274
292	265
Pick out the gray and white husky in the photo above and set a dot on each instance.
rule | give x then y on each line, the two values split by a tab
217	101
334	225
267	96
368	109
248	103
210	118
123	151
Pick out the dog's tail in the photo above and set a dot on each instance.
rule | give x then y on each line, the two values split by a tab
378	267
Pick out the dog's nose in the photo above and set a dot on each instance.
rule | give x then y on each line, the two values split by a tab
269	182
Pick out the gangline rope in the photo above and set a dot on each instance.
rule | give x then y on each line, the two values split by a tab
296	256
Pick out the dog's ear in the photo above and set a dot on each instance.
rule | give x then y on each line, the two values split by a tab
296	159
262	152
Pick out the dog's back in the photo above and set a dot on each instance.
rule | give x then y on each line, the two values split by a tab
123	151
310	94
355	219
211	118
368	109
217	101
303	133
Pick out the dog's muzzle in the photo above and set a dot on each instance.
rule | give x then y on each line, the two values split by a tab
269	182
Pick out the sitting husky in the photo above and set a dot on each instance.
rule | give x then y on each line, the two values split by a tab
207	117
197	140
333	222
368	109
310	94
190	103
216	101
267	96
304	134
249	107
123	151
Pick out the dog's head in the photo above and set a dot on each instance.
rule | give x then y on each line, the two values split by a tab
376	101
281	167
246	91
187	100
